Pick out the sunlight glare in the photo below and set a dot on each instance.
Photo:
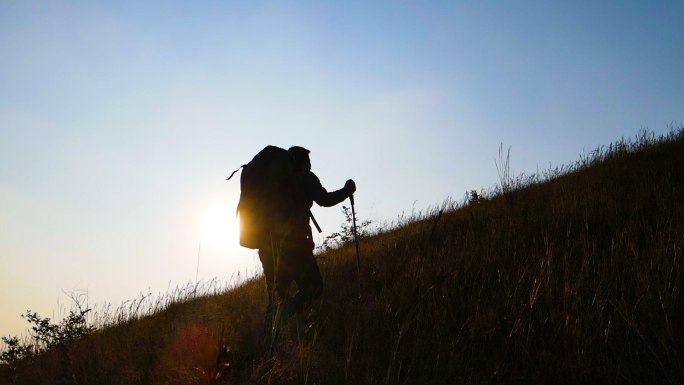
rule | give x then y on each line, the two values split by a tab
220	227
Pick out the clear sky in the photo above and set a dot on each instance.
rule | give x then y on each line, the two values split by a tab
120	120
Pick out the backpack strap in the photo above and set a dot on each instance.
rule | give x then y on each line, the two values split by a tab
314	222
238	169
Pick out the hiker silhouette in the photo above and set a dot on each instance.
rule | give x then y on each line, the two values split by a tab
294	260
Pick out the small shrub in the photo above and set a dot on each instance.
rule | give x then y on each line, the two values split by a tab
346	233
15	351
46	335
73	327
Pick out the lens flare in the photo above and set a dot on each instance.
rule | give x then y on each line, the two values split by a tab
220	226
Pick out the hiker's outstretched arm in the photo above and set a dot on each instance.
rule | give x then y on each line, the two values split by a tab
321	196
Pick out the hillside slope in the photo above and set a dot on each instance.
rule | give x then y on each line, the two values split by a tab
577	278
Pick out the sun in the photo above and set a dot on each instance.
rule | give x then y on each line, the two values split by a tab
220	228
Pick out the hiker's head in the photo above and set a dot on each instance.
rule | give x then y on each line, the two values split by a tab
301	156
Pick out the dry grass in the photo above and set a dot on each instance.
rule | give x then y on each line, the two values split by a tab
572	276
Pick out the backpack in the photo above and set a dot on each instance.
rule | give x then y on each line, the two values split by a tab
264	196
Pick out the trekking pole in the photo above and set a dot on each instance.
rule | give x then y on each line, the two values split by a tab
356	241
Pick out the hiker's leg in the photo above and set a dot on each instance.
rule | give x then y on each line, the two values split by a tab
308	278
283	280
268	264
283	277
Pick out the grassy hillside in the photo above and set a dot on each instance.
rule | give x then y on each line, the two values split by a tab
574	276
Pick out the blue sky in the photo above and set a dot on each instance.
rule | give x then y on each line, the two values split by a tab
120	121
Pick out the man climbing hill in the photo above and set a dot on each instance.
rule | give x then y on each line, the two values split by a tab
296	262
278	191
